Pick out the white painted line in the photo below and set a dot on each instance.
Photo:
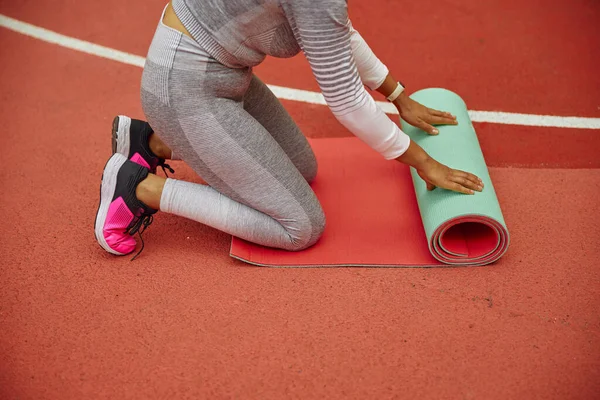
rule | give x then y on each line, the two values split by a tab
498	117
305	96
70	42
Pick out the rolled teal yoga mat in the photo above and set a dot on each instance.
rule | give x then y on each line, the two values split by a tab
460	229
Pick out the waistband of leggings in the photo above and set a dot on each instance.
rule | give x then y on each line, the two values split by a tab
200	35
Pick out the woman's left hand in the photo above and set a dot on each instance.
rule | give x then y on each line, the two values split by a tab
422	117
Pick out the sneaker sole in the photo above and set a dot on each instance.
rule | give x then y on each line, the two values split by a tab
120	135
107	192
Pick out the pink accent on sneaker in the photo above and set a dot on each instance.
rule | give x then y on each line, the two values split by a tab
117	220
138	159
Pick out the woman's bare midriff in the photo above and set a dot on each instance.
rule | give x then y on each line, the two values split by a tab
170	19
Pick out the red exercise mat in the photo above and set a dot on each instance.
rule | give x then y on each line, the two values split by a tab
372	214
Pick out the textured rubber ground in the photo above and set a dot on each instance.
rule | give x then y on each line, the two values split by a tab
187	321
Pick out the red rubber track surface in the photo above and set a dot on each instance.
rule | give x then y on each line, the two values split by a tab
187	321
513	56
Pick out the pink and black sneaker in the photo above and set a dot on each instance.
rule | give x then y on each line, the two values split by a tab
120	214
130	138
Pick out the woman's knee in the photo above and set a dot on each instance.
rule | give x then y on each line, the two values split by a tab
305	234
308	166
311	172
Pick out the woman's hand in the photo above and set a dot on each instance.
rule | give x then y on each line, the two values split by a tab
422	117
439	175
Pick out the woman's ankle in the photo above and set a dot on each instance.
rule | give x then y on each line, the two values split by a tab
158	147
149	191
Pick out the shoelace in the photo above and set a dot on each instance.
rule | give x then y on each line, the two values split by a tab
139	226
164	166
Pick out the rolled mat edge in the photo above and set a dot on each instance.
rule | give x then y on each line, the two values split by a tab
460	229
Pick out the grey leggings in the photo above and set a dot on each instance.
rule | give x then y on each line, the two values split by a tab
230	128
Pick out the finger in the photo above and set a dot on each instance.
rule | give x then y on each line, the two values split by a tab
430	186
437	120
439	113
468	176
459	188
463	181
427	128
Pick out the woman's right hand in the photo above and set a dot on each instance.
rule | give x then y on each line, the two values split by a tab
439	175
436	174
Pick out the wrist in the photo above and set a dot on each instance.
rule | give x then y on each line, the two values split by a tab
415	156
401	101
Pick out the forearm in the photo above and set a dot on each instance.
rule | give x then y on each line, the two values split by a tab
371	70
415	156
376	129
342	74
